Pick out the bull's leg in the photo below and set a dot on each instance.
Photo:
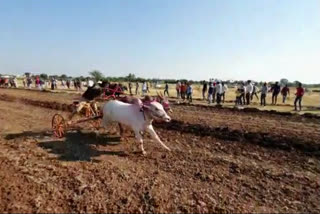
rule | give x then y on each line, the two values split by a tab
121	129
140	140
155	137
122	135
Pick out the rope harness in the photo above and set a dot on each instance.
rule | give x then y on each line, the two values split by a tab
143	107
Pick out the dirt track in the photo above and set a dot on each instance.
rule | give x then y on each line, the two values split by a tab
222	161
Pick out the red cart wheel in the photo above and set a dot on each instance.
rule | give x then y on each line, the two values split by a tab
58	125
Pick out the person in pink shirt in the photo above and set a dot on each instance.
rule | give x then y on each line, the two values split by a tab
38	83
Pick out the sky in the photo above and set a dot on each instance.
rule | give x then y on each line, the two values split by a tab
263	40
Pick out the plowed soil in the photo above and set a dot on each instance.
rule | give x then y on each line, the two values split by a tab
222	160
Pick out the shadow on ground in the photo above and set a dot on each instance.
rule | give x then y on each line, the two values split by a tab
311	108
75	146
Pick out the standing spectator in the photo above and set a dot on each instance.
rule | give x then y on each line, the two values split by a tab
52	83
38	83
254	92
79	84
214	92
137	88
238	97
275	89
249	90
24	82
166	90
285	91
183	91
75	84
29	82
299	95
144	88
224	90
219	92
210	92
178	86
130	88
41	84
147	87
204	90
243	93
63	84
189	92
264	92
15	82
55	83
68	84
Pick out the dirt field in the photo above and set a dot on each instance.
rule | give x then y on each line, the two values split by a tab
222	160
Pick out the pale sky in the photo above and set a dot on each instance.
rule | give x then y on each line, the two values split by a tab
226	39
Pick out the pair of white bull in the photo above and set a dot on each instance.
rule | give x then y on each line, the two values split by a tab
138	116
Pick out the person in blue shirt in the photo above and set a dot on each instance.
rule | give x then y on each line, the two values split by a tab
189	92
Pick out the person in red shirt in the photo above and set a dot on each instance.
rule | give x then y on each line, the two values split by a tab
285	92
299	95
183	90
38	83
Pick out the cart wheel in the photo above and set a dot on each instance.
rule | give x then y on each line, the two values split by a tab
58	125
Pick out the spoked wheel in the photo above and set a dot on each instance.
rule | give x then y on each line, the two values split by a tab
58	126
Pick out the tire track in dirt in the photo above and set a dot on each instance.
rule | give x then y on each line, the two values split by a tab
261	139
252	110
44	104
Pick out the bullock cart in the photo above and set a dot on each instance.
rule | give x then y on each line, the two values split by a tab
89	112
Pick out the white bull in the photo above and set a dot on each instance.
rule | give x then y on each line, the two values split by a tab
131	115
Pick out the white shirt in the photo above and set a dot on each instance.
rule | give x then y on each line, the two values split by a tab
178	85
219	88
144	86
225	88
90	83
249	88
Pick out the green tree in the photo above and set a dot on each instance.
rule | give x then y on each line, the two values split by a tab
63	76
82	78
97	75
284	81
130	77
44	76
54	76
296	83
